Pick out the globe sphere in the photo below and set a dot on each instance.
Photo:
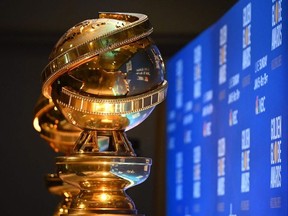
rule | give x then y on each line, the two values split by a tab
106	73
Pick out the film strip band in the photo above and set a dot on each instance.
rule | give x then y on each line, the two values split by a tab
118	106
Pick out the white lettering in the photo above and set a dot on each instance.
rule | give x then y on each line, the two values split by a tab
197	89
260	105
246	58
207	131
276	180
207	110
276	37
261	81
223	35
245	141
247	14
221	147
197	154
197	54
234	80
233	96
222	74
276	128
261	64
197	189
221	186
245	182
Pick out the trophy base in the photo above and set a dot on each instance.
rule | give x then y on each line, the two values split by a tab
102	181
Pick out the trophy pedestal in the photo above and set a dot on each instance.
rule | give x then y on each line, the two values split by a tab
102	181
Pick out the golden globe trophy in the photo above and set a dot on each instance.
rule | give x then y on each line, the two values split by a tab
106	76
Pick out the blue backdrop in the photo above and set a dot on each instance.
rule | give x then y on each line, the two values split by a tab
227	116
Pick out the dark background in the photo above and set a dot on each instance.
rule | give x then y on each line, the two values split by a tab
28	31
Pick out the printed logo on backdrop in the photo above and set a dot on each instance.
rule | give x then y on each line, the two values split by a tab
245	161
207	111
223	55
179	175
262	79
277	31
233	117
276	159
187	120
197	71
221	167
246	36
260	105
171	127
275	149
235	94
276	24
179	83
197	172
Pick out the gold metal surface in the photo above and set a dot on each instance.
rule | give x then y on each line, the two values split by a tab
105	76
53	127
57	187
90	38
103	181
61	135
99	106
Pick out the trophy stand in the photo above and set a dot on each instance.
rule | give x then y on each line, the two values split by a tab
105	76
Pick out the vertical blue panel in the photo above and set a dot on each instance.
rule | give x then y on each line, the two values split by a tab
227	116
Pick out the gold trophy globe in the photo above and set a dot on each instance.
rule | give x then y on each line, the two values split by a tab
105	76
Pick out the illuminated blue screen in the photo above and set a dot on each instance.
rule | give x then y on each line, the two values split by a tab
227	112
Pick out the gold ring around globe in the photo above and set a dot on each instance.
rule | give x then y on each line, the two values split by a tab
102	106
